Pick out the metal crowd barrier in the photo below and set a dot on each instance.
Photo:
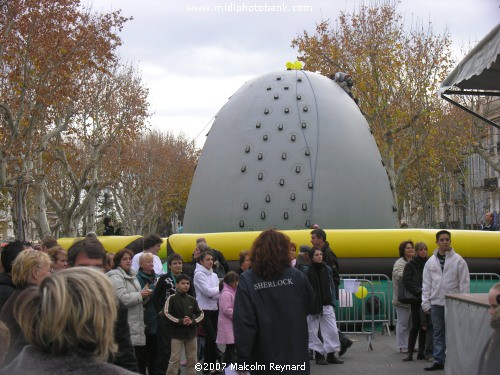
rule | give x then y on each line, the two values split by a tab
479	283
382	296
482	282
352	315
359	315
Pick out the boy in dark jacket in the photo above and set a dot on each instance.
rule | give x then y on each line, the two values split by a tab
183	314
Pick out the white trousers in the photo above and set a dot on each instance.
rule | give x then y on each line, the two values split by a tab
328	325
403	326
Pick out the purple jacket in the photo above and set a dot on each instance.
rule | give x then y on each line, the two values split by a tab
225	334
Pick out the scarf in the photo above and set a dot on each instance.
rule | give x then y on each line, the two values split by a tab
146	278
318	277
419	262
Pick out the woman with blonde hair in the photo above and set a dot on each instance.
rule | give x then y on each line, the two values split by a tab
68	322
412	278
59	258
29	268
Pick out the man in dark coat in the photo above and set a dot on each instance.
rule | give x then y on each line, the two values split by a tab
489	222
303	258
109	229
318	240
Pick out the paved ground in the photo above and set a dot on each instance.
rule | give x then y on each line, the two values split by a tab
383	359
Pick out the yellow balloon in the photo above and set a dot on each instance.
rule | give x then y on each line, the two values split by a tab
361	293
297	65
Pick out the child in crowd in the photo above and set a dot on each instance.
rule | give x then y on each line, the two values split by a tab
225	334
183	314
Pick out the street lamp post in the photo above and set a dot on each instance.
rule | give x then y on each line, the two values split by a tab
464	202
108	202
20	233
174	221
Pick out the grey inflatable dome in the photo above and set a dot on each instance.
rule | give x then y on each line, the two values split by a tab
289	149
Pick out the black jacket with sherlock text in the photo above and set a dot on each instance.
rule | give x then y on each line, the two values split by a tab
269	321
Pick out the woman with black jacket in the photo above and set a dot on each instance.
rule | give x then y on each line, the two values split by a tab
412	279
323	316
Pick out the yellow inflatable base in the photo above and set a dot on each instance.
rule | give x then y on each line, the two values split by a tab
112	244
353	243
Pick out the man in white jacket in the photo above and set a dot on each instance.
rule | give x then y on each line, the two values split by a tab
445	272
206	285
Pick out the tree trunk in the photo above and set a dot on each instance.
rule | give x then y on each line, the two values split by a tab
18	212
90	216
41	208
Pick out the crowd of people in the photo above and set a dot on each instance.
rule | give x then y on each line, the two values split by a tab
427	280
83	310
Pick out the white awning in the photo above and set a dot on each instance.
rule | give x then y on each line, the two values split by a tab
480	69
477	74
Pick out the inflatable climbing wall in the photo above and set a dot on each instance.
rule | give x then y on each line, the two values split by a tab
289	149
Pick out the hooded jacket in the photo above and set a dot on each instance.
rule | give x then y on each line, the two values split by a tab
225	333
454	278
206	284
128	290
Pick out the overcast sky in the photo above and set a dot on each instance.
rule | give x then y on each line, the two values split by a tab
194	60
